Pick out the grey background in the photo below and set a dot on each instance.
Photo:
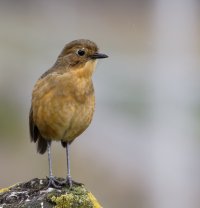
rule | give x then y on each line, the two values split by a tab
142	148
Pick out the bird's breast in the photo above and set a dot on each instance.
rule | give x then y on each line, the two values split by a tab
63	106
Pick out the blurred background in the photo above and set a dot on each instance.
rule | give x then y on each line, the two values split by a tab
142	149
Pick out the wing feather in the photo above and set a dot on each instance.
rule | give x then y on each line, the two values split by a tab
35	135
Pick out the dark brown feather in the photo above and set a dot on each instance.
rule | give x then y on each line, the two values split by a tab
36	136
41	145
64	144
34	132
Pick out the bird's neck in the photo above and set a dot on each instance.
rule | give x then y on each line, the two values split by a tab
85	71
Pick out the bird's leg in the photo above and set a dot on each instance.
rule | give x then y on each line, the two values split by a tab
49	159
53	182
69	180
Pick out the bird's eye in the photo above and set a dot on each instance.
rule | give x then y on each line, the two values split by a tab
81	52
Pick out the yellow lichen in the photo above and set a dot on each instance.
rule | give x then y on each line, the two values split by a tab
64	201
78	197
70	200
94	201
6	189
3	190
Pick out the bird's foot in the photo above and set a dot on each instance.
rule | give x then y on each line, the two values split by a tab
69	182
54	183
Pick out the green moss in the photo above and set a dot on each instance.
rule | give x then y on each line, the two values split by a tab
77	197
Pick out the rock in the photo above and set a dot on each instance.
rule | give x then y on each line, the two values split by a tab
35	194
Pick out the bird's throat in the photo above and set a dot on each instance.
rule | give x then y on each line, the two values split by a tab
85	71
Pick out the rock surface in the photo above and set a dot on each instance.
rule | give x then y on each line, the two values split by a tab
35	194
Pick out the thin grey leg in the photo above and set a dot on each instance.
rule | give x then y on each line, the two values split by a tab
49	159
53	182
69	179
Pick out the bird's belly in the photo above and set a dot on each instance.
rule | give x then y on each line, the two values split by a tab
80	120
63	118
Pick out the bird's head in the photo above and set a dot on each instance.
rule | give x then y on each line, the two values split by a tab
79	52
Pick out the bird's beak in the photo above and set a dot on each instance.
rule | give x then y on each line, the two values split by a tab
98	56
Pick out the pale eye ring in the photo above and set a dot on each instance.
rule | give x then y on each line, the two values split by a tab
80	52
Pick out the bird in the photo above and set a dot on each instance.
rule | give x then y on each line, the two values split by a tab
63	102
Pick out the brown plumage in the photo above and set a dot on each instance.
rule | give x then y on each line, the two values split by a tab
63	98
63	101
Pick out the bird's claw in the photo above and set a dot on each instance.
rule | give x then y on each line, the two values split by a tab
54	183
69	182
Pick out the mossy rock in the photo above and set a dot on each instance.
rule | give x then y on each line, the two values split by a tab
35	194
